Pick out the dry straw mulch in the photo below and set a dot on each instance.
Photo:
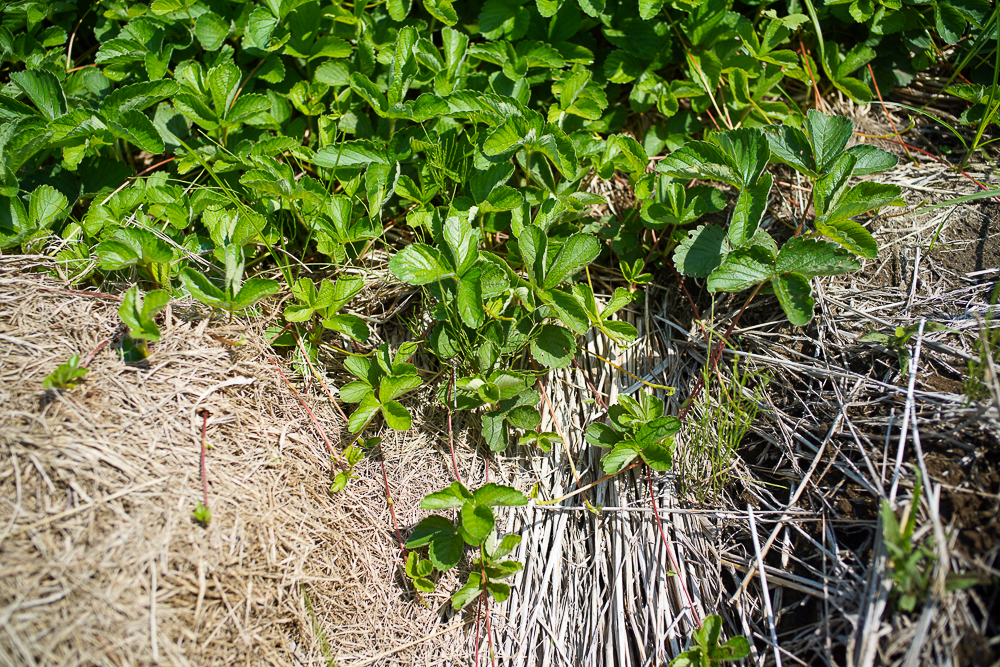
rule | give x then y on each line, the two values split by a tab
100	561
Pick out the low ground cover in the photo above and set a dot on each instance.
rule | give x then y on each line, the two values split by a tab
486	211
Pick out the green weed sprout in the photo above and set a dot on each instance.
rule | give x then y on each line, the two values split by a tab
138	313
707	652
66	375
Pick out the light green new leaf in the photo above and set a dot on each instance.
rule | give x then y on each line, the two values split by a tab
620	456
461	242
742	269
812	257
396	416
138	313
795	296
201	288
366	411
419	264
495	494
477	523
393	387
649	8
830	187
46	205
254	290
442	10
351	326
211	31
627	153
354	392
399	9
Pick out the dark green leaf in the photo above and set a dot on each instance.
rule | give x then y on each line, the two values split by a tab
742	269
795	296
554	347
702	251
44	91
474	587
445	545
851	236
828	136
749	211
811	257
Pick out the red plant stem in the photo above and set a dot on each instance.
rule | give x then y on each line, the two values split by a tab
90	357
819	100
930	155
316	424
714	358
555	422
670	552
392	509
320	378
593	389
204	471
892	123
451	433
479	615
592	484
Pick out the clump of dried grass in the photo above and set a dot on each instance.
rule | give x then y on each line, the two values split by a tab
100	561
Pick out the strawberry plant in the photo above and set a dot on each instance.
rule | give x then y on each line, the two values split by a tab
378	386
137	313
67	375
446	541
744	256
198	147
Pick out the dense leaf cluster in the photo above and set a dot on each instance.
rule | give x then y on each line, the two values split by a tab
203	147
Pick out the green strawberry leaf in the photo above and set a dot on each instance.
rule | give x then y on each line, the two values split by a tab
742	269
795	296
554	347
396	416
